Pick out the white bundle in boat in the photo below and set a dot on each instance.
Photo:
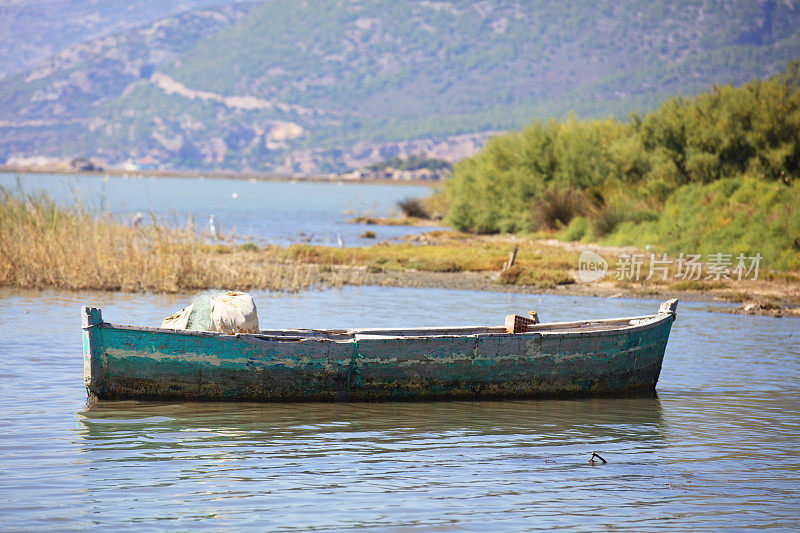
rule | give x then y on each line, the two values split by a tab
234	312
224	311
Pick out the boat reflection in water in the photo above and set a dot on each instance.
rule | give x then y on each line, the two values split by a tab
260	428
336	466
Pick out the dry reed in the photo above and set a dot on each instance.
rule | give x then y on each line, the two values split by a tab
43	245
556	208
413	208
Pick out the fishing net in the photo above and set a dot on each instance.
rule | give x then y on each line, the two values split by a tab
200	317
216	310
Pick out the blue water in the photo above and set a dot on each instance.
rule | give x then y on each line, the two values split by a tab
717	450
279	212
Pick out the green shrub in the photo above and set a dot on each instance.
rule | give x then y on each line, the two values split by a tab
608	217
579	228
740	215
248	247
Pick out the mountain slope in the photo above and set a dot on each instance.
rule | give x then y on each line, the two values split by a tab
48	110
33	30
318	86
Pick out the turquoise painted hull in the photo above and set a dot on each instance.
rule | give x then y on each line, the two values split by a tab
571	359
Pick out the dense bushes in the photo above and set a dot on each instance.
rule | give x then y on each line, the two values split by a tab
493	191
670	178
741	215
728	131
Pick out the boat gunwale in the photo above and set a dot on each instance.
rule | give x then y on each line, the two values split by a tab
576	328
642	323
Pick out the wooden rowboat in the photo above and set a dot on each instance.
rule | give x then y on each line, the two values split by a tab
611	357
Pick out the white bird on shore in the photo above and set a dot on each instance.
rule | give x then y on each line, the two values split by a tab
213	227
339	240
137	219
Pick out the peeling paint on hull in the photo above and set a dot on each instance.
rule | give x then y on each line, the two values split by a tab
126	362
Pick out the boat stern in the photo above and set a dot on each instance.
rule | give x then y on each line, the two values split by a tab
91	320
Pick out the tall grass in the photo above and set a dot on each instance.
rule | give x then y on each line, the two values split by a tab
44	245
413	207
557	207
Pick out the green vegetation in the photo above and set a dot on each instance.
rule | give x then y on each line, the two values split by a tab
538	266
741	215
716	173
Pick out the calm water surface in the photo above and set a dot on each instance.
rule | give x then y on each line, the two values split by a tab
718	449
264	212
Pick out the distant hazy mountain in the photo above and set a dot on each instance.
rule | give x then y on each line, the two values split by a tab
321	85
33	30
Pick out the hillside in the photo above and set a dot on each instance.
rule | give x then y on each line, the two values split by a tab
328	85
33	30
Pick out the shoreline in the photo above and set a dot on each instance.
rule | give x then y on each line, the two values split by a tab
216	174
359	276
404	221
44	246
487	282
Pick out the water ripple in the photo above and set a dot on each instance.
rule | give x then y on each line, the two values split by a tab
716	450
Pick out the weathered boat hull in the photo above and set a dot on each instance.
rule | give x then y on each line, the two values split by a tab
127	362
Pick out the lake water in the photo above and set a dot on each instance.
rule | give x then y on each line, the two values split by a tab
279	212
718	449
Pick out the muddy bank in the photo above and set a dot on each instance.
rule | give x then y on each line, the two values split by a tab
761	309
482	281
